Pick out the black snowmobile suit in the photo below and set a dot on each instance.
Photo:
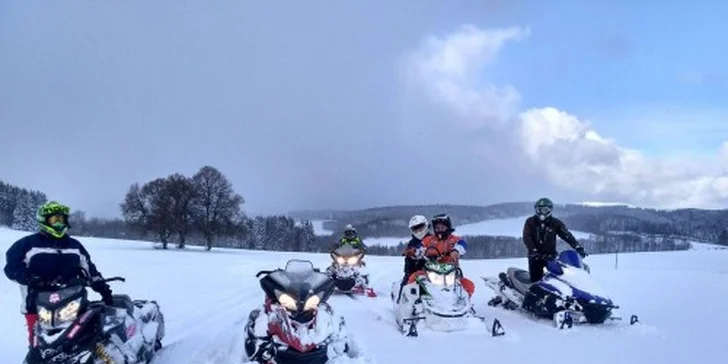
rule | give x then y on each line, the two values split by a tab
540	240
411	264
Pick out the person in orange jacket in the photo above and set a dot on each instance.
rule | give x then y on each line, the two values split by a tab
448	248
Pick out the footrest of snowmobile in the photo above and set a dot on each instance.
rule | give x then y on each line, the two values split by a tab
411	324
632	319
369	292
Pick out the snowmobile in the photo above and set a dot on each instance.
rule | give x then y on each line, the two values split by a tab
437	298
566	294
71	329
296	324
348	271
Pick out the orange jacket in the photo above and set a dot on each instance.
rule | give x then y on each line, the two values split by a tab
452	242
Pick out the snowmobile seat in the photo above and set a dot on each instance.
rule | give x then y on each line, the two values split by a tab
123	301
520	279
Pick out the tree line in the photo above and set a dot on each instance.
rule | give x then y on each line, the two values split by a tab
496	247
202	209
205	210
18	206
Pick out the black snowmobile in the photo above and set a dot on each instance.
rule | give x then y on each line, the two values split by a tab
71	329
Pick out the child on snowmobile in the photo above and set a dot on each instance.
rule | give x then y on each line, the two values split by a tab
449	246
413	261
539	236
48	257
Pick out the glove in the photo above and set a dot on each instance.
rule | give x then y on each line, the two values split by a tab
580	250
453	254
534	255
103	288
33	281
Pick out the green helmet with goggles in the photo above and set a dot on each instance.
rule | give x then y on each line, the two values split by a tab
53	218
543	208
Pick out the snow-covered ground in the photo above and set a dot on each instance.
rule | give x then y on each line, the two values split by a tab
206	297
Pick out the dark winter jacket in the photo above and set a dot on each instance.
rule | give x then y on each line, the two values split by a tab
540	236
411	264
43	257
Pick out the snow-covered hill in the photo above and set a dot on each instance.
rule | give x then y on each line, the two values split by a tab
206	296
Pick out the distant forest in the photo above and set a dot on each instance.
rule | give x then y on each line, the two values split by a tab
205	210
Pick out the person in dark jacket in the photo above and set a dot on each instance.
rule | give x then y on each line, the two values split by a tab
539	236
50	257
413	260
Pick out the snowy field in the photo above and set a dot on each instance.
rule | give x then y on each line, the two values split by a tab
206	297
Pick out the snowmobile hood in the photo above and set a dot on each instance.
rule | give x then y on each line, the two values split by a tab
440	268
54	300
577	283
295	286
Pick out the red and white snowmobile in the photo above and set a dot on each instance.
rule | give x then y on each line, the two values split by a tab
348	271
296	324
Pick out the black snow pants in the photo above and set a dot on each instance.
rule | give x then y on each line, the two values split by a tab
535	269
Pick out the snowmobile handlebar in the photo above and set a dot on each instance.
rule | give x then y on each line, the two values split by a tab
264	273
439	254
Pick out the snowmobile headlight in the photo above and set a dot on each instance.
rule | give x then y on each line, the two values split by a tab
435	278
353	260
340	260
311	303
44	316
450	279
69	312
288	302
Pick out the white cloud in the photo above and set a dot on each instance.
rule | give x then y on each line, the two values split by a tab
572	155
447	68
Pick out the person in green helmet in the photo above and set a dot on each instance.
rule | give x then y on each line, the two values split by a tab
352	238
50	257
539	236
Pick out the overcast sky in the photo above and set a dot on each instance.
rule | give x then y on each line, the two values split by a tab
343	104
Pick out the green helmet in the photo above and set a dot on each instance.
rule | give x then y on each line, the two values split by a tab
543	208
46	211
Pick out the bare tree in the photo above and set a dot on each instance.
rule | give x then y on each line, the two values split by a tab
148	209
217	207
181	192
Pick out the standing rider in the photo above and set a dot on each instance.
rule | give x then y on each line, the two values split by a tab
50	257
448	248
539	236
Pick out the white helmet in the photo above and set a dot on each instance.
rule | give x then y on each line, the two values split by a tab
418	225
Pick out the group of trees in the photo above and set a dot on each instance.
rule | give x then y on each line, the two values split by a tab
18	206
204	205
204	209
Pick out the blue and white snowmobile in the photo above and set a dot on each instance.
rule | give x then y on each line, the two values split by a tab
566	294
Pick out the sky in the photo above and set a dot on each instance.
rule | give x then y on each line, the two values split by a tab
321	104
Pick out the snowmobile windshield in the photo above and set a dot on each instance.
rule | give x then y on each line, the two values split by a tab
572	258
298	287
347	255
347	251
